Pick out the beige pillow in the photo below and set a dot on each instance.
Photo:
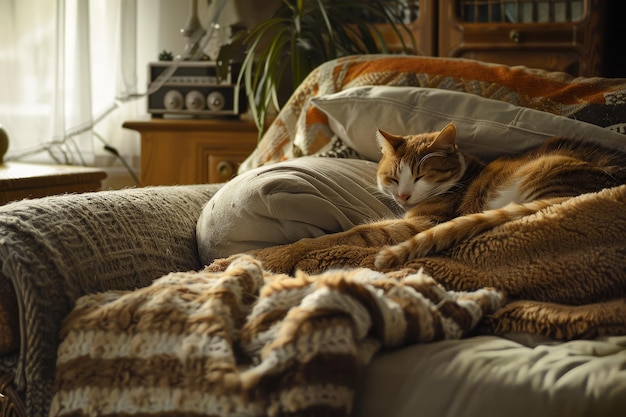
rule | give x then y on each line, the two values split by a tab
486	127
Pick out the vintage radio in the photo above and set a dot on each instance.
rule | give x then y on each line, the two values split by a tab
194	88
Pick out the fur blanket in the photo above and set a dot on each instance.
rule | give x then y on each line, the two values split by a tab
562	270
245	342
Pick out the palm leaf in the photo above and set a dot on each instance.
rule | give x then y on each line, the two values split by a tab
303	34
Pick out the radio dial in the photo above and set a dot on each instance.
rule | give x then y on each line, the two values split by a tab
173	100
215	101
194	100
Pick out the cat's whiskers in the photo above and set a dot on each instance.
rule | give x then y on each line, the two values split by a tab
381	195
434	192
447	187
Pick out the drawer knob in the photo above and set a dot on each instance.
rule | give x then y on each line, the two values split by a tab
225	169
515	36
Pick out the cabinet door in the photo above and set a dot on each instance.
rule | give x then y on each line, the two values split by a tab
192	151
420	18
557	35
222	166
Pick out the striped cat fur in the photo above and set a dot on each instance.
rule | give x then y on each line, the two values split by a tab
246	342
428	176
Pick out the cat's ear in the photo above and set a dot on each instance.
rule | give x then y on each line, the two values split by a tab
387	141
446	139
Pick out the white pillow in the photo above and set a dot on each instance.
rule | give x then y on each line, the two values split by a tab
486	127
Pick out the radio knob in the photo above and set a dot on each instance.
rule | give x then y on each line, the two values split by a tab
215	101
194	100
173	100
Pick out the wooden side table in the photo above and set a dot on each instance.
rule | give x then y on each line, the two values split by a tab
192	151
19	180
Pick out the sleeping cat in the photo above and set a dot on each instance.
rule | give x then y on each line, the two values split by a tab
449	196
428	176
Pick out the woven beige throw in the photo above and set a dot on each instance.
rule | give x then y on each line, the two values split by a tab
245	342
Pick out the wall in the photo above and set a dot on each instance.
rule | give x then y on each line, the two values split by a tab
173	17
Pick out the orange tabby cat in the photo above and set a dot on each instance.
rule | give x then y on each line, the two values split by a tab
415	172
449	196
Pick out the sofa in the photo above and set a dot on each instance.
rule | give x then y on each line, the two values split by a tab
78	268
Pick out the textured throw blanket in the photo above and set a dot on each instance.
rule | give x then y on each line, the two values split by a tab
245	342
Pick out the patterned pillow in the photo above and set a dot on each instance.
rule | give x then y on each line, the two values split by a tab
302	129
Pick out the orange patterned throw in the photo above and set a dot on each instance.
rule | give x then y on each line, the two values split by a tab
302	129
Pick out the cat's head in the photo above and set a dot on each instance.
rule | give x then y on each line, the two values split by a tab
414	168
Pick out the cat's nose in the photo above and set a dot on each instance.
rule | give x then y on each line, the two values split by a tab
404	197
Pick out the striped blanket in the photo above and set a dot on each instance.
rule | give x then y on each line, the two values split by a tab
245	342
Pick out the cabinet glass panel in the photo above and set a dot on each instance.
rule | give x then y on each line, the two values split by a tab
520	11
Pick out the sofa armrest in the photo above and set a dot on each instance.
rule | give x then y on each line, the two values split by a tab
56	249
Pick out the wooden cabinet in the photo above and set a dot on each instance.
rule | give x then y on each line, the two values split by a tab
19	180
192	151
557	35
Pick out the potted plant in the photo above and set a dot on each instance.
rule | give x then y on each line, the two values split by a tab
302	34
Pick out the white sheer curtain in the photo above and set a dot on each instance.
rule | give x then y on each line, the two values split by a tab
71	71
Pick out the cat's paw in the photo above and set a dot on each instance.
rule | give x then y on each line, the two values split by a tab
392	256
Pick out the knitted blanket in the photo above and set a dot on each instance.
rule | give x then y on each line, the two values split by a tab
246	342
56	249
